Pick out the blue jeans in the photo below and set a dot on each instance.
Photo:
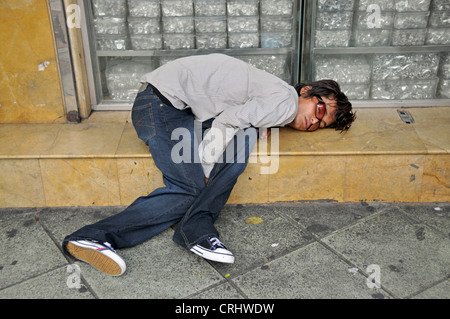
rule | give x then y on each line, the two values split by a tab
186	197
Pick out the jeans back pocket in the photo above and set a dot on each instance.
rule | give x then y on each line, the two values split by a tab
143	121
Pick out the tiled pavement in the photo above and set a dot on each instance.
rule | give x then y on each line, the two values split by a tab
319	250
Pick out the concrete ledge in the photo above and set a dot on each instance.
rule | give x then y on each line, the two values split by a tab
101	162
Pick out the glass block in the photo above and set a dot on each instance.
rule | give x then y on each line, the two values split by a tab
146	41
144	25
210	24
110	25
365	20
277	7
332	38
373	37
343	68
144	8
122	79
356	91
177	8
276	23
444	66
274	64
178	24
241	40
242	7
112	42
411	20
166	59
440	5
384	5
335	5
340	20
177	41
440	19
110	8
405	66
211	40
443	90
276	39
412	5
409	37
210	7
404	89
243	24
438	36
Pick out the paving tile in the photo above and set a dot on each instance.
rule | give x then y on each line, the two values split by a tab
256	243
23	245
321	219
439	291
222	291
62	221
56	284
157	268
276	254
436	215
310	272
411	256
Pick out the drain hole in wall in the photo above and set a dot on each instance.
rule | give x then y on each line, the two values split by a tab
405	116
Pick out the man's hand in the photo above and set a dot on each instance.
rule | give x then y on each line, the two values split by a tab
264	133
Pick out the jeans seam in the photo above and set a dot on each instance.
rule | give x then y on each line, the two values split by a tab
161	109
182	223
128	227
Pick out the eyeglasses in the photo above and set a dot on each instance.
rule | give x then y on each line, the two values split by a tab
320	113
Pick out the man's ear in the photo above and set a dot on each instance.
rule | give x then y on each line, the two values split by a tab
304	90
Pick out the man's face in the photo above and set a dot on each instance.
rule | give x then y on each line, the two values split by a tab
308	115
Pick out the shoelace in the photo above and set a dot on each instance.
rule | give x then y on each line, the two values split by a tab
109	246
216	242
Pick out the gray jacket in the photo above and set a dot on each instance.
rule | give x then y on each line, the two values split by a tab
233	92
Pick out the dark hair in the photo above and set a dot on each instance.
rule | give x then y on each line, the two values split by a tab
331	90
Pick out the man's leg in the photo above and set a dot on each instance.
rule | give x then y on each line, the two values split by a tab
198	223
149	215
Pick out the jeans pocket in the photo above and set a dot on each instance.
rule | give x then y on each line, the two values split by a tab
143	121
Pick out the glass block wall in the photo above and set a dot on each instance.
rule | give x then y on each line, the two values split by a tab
382	49
132	37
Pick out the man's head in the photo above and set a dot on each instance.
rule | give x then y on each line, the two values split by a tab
322	104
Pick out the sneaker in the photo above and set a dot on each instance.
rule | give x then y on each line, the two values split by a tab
102	257
213	249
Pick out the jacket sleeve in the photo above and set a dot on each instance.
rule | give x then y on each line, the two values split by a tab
261	112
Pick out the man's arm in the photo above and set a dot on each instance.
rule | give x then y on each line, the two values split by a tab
260	112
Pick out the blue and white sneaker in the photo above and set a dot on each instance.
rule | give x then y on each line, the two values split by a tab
212	249
102	257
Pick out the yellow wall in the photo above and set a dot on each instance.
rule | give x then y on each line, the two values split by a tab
28	95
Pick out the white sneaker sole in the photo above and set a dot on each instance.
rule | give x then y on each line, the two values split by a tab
97	256
220	255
